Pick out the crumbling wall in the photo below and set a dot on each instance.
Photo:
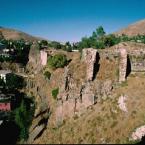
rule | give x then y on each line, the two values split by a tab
137	60
89	56
122	64
75	98
43	56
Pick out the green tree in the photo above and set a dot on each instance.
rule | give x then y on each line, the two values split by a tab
22	120
47	74
2	83
14	82
100	32
55	93
57	61
68	47
56	45
109	40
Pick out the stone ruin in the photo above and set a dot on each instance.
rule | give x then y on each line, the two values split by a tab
122	64
73	99
89	57
43	57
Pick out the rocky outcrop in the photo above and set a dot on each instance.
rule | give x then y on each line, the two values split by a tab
89	57
42	108
122	65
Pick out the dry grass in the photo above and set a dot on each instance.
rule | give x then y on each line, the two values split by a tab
105	123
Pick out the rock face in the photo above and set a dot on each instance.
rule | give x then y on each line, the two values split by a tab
43	56
89	56
122	65
42	109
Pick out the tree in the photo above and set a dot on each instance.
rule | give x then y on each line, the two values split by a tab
68	47
21	119
14	82
100	32
44	42
56	45
2	83
109	40
57	61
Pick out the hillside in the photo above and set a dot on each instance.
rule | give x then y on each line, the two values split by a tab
16	35
94	96
133	29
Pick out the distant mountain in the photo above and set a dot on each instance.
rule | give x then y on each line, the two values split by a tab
16	35
133	29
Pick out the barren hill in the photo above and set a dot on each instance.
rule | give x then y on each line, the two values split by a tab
16	35
133	29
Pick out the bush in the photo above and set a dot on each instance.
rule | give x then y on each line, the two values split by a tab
47	74
55	93
57	61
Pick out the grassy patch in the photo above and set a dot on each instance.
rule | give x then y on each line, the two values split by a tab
124	84
55	93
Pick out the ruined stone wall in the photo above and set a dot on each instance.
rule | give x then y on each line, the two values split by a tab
89	56
122	64
137	60
43	56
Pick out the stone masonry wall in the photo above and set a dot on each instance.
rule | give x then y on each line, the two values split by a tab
89	56
43	56
122	65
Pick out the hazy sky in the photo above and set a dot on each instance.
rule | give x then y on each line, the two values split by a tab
69	20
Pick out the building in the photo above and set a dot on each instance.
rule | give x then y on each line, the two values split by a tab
4	74
5	106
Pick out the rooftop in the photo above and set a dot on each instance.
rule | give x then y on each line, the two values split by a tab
5	72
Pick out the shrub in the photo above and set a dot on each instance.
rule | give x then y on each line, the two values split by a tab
55	93
47	74
57	61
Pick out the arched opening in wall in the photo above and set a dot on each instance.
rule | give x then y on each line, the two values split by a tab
96	66
128	69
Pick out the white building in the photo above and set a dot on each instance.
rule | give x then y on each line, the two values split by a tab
4	73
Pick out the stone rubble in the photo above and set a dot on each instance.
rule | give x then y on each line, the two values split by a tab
138	133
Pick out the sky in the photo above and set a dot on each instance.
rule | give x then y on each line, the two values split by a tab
69	20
